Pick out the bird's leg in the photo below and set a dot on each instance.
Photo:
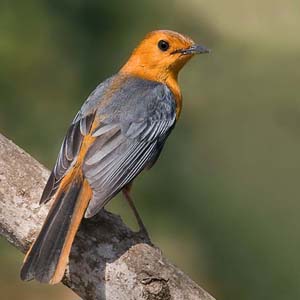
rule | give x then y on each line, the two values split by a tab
143	230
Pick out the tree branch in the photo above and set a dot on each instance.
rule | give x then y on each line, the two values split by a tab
107	261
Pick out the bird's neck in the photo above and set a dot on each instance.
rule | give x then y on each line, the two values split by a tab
154	74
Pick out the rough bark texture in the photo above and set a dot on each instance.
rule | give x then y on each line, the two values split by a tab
108	260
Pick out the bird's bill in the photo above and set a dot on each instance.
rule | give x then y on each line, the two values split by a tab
194	49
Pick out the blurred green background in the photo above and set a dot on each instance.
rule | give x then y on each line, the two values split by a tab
222	202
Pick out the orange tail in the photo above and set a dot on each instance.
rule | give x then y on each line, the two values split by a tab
47	258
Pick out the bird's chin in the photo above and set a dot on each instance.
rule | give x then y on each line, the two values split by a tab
179	63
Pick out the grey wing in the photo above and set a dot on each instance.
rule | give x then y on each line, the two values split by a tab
124	147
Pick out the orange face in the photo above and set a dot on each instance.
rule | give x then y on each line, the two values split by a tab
161	54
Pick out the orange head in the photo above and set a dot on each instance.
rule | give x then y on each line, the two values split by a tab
161	55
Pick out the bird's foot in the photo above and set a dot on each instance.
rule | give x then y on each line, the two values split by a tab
143	233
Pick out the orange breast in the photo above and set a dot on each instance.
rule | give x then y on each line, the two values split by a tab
172	84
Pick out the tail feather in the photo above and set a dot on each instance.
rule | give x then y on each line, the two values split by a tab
47	258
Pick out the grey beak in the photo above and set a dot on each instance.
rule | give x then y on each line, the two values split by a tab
194	49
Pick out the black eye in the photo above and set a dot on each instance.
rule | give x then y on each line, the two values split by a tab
163	45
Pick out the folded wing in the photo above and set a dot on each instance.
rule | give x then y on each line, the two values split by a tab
124	147
131	131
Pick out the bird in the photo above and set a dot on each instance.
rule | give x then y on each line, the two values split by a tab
119	131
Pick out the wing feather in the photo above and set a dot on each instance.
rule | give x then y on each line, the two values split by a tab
114	160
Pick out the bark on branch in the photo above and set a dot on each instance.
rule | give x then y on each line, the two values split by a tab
108	261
